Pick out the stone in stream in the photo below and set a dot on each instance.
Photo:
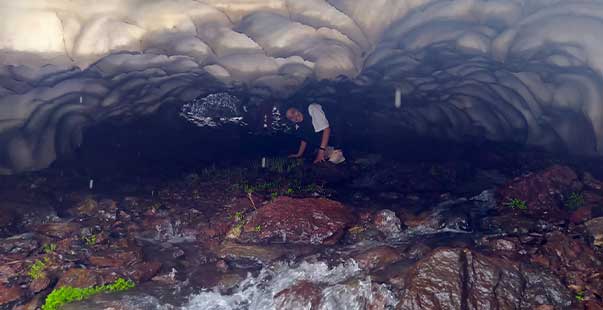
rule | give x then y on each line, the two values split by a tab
303	221
455	278
302	295
388	223
377	257
439	219
234	252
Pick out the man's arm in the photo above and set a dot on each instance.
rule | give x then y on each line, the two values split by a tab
322	152
301	151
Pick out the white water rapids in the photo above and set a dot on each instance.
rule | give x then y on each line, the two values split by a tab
342	287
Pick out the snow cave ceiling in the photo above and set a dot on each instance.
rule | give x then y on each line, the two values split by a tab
527	71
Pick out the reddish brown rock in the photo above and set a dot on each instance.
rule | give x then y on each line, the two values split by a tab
463	279
39	284
377	258
9	295
18	247
593	305
10	270
79	277
436	280
59	230
222	222
303	295
307	221
542	191
86	207
571	260
33	304
143	271
387	222
581	215
234	252
118	258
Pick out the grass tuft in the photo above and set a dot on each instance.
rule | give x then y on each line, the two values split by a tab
64	295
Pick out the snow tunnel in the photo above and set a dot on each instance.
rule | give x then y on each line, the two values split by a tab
145	149
527	72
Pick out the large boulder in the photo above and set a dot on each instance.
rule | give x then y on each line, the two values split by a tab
572	260
9	295
541	191
454	278
305	221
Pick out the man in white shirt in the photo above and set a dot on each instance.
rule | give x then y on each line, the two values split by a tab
313	129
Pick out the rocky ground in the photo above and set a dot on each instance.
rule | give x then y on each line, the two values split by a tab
501	232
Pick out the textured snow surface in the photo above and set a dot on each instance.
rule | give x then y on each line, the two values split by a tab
528	71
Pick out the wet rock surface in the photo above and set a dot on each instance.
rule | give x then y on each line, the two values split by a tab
543	191
463	279
305	221
422	237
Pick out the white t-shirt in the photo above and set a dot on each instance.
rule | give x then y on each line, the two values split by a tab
319	119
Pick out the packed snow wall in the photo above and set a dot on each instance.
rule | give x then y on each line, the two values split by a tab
527	71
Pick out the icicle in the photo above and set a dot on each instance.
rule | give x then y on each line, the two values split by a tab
398	102
91	184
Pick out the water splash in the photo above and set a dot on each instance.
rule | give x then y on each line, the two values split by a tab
342	287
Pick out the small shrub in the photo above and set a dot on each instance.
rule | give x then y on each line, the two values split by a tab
258	228
516	204
90	241
49	248
575	201
580	296
64	295
238	217
36	270
249	189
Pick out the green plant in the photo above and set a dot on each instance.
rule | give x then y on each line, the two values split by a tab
516	204
258	228
580	296
238	216
66	294
274	195
49	248
248	189
36	270
575	201
90	240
